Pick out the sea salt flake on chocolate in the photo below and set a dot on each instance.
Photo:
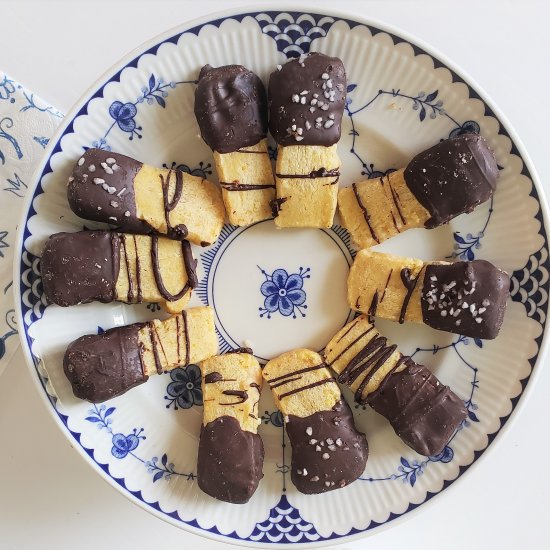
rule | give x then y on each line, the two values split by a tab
91	168
325	456
309	430
81	161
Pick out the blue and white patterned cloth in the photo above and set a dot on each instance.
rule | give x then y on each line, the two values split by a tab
26	125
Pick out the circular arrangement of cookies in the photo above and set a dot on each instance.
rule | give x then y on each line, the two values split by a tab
157	213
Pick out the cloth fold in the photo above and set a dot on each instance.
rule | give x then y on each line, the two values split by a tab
26	125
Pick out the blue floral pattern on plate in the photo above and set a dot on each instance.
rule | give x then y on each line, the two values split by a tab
284	293
185	389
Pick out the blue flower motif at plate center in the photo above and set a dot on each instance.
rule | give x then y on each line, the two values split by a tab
284	292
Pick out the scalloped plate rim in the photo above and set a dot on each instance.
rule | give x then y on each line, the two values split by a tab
111	74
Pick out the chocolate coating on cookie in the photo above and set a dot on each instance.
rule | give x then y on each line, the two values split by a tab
230	107
102	366
467	298
101	188
229	464
423	412
82	267
327	450
306	101
452	177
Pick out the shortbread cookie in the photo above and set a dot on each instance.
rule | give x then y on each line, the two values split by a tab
104	266
306	101
467	298
231	452
327	450
138	198
423	412
102	366
451	178
231	110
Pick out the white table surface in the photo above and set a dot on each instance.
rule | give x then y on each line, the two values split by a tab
49	498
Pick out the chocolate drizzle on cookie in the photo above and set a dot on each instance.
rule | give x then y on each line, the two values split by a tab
245	186
231	108
295	376
190	266
179	231
276	205
452	177
368	360
410	284
213	377
241	395
364	210
306	101
315	174
328	452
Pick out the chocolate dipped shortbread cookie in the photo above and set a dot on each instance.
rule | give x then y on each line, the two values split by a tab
138	198
231	110
105	266
423	412
467	298
102	366
327	450
306	101
231	452
451	178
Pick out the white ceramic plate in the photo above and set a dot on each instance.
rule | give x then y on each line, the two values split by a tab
401	100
